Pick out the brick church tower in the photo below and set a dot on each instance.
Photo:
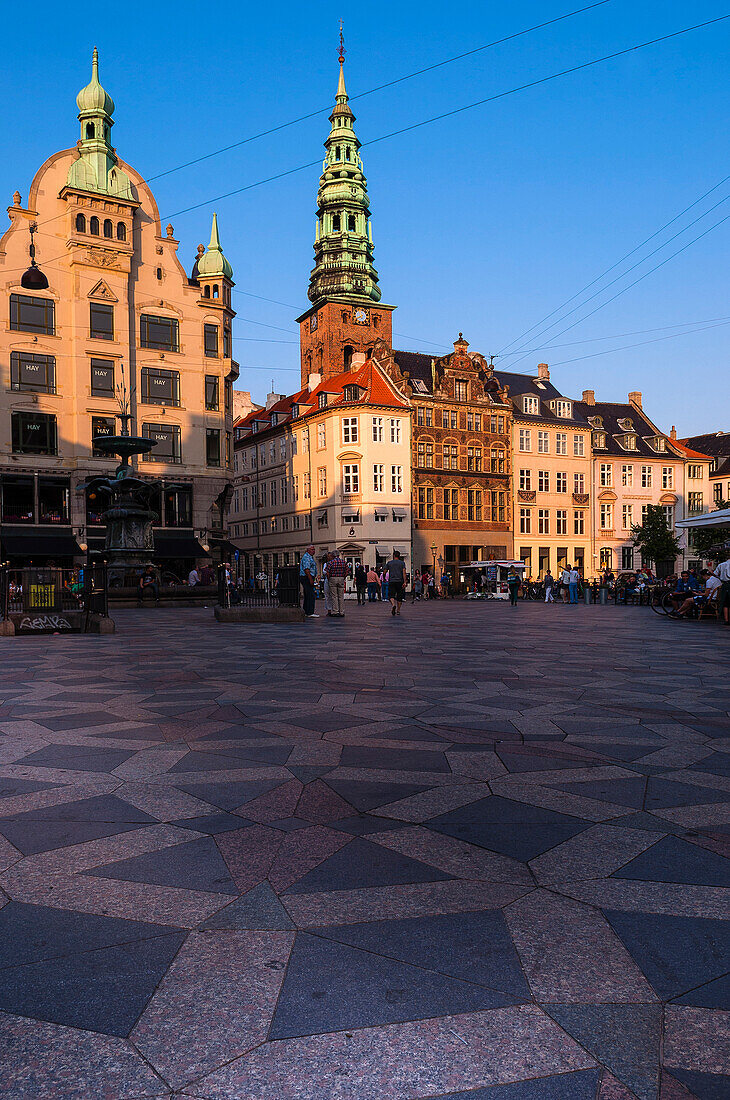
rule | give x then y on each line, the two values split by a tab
346	315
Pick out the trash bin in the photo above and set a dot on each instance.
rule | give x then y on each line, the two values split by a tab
588	594
603	594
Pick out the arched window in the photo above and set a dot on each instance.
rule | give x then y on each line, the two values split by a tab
159	274
206	292
90	130
347	152
351	223
121	231
216	291
347	357
335	223
94	226
108	229
338	152
80	223
496	464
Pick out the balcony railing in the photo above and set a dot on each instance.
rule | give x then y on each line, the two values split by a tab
581	498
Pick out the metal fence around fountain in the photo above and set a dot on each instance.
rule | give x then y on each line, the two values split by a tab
50	590
283	593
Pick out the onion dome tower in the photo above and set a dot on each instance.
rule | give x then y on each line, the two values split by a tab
97	168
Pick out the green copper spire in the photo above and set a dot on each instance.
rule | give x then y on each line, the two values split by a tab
96	168
343	248
213	262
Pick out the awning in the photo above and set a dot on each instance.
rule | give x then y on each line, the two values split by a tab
402	550
381	511
402	512
322	514
350	515
720	518
38	542
177	544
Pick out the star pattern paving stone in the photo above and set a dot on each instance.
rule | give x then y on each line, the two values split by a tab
433	864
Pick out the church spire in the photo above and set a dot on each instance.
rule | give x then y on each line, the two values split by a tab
343	248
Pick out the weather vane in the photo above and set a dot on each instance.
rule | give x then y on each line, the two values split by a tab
342	51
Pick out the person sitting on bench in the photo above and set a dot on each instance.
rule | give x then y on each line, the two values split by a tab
148	584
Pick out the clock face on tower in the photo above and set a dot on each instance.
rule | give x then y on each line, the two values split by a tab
360	315
313	323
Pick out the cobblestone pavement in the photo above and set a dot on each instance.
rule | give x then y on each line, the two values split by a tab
475	852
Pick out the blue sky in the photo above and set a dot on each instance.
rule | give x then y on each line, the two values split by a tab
483	223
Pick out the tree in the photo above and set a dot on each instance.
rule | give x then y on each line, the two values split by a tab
653	537
704	539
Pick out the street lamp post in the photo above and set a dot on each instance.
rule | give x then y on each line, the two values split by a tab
434	548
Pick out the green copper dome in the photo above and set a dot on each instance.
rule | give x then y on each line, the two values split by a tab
213	263
93	99
343	249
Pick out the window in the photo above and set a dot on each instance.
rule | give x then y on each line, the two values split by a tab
561	481
322	401
179	506
264	494
563	408
295	488
32	373
396	479
525	439
210	341
93	222
322	481
101	426
543	443
160	387
605	475
351	477
167	437
32	314
525	521
543	481
473	458
525	480
496	460
349	429
668	510
561	522
717	492
451	503
579	484
80	223
380	516
627	557
450	456
161	333
578	446
667	477
395	431
351	217
429	417
646	477
606	557
322	436
101	321
543	521
53	500
421	455
102	378
474	504
226	343
212	447
305	441
377	429
627	476
351	393
599	440
461	390
498	510
34	434
561	443
578	523
212	392
627	516
658	443
695	503
493	422
530	405
18	499
606	517
628	441
272	451
425	503
121	231
694	472
419	415
108	229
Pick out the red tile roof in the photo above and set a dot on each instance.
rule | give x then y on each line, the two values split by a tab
688	450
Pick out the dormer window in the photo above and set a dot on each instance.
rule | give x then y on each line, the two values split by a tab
628	441
294	412
599	440
657	443
562	408
626	424
274	419
531	405
322	401
595	421
351	393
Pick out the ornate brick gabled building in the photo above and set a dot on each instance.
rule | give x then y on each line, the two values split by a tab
460	456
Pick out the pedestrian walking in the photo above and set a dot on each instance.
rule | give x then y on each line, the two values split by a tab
361	581
373	582
384	584
417	588
326	583
307	577
513	584
573	580
337	571
722	572
396	581
565	583
549	583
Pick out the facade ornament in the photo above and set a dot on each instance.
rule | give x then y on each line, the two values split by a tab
16	199
169	230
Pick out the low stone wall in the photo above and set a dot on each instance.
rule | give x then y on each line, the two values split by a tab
179	596
259	614
55	622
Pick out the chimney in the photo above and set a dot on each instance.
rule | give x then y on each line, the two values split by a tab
357	360
635	398
589	397
272	398
313	380
673	433
543	372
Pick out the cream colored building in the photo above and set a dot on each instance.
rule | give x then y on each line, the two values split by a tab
551	469
328	465
106	304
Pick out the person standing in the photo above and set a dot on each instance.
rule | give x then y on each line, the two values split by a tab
326	584
337	571
307	576
373	585
361	580
417	588
193	577
431	586
513	584
384	583
573	579
396	568
722	572
445	584
565	582
549	585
